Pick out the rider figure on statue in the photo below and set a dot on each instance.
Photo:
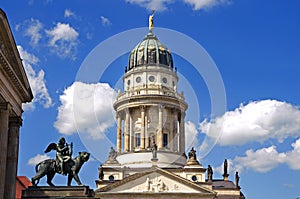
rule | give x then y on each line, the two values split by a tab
63	153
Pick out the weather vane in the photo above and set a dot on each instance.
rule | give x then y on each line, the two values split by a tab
151	25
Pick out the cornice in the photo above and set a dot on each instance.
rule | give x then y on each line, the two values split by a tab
11	75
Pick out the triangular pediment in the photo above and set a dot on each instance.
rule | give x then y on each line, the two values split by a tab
10	59
155	181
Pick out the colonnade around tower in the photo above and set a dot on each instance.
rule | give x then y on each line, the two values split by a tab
167	132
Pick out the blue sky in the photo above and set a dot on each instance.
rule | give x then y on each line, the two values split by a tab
254	45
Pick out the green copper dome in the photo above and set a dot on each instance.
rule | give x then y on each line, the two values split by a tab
150	51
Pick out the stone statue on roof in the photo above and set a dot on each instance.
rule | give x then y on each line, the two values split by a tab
151	24
237	179
225	167
209	173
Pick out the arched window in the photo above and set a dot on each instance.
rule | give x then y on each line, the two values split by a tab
137	140
151	56
165	140
162	57
111	178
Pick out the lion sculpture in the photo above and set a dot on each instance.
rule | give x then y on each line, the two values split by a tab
50	167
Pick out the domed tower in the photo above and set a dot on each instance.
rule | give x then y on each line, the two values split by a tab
150	112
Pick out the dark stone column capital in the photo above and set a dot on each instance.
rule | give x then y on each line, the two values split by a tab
15	121
5	106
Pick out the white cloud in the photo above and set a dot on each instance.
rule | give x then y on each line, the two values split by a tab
36	80
293	157
63	40
69	13
261	160
256	121
105	21
264	159
157	5
34	31
205	4
161	5
37	159
190	135
86	108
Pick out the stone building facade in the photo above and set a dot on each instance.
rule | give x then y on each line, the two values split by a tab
14	90
150	159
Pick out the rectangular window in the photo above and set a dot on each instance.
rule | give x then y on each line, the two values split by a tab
165	140
138	139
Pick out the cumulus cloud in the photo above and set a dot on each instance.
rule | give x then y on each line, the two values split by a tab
86	108
264	159
161	5
105	21
205	4
36	80
190	135
34	31
261	160
37	159
63	40
256	121
157	5
69	13
293	157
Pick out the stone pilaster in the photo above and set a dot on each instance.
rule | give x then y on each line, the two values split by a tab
171	143
182	133
160	127
175	125
4	117
119	134
142	127
127	131
12	157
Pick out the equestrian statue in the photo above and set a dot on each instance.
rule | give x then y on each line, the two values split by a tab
63	164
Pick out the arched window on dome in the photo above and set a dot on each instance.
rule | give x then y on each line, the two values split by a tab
151	56
140	56
162	57
131	61
170	60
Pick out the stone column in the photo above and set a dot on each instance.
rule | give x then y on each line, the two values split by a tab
182	133
119	133
131	133
127	131
12	157
160	127
147	143
142	127
4	115
172	137
175	125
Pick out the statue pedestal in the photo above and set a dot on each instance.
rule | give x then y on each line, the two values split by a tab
225	176
37	192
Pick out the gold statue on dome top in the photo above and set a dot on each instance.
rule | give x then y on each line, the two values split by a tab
151	24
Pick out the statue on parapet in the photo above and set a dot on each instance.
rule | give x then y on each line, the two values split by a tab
63	164
237	179
192	157
154	152
192	154
209	173
225	167
112	157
